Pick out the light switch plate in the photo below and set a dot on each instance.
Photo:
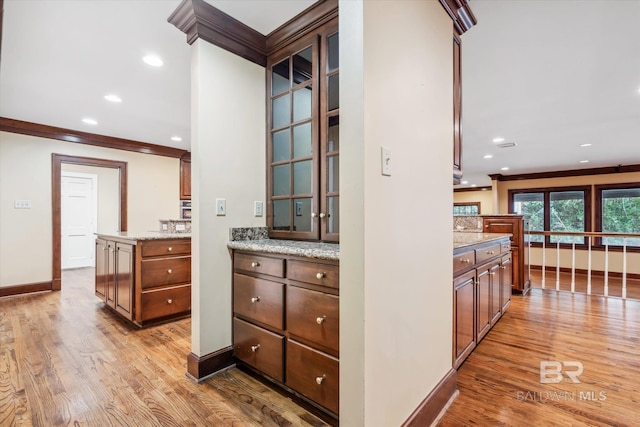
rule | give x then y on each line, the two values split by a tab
257	208
385	161
221	207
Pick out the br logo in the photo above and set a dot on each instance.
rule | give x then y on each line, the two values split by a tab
551	371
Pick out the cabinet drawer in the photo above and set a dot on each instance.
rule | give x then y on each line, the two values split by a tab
314	316
314	374
314	273
260	300
259	264
166	247
463	261
165	271
165	302
487	253
259	348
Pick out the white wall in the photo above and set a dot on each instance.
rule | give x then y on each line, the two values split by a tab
108	194
25	173
228	161
396	243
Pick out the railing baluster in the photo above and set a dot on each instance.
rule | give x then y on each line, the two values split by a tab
589	270
606	267
573	267
544	260
558	265
624	268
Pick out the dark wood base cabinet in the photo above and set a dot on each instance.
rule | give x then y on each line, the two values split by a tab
144	281
286	323
481	293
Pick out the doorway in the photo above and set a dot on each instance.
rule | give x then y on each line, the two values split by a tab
79	218
56	170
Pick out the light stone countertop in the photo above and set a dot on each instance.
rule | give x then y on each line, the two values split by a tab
328	251
142	235
462	239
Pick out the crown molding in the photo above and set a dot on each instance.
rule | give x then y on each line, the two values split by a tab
69	135
567	173
200	20
460	190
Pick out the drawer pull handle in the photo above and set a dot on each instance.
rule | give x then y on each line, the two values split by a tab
493	273
465	261
319	275
255	299
320	380
255	348
503	267
490	252
255	264
169	248
320	320
169	301
169	271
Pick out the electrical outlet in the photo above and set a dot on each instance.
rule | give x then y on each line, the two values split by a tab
22	204
257	208
221	207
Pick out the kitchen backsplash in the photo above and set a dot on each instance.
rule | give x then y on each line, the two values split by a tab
175	225
467	223
248	233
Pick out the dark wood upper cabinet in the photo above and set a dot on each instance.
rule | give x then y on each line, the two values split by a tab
185	177
303	139
457	110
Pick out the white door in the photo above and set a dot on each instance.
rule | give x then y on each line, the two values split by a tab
79	219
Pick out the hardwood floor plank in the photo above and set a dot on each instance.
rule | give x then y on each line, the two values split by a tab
66	360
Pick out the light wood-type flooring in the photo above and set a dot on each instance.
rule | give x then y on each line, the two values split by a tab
65	360
597	283
500	382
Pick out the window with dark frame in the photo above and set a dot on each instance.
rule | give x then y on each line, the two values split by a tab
464	209
618	211
564	209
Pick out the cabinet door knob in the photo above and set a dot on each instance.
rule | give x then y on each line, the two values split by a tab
255	264
320	380
322	215
255	348
255	299
169	248
169	271
169	301
320	320
319	275
313	214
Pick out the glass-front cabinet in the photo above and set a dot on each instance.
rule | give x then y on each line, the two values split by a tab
303	145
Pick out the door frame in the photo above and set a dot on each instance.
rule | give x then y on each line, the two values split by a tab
94	205
56	193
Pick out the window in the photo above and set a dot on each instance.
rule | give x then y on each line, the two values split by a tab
618	211
462	209
554	209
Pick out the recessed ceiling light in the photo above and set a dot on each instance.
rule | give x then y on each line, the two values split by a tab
474	185
504	168
113	98
585	145
176	138
464	182
89	121
153	60
488	156
584	161
498	139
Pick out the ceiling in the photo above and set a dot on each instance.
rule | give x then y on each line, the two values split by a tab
547	75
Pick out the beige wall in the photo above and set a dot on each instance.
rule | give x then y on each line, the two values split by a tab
485	198
228	161
395	247
108	194
582	256
25	173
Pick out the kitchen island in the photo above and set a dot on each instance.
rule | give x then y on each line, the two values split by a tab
144	277
482	282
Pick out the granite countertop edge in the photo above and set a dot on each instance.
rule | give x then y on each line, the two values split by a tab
142	235
462	239
315	250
